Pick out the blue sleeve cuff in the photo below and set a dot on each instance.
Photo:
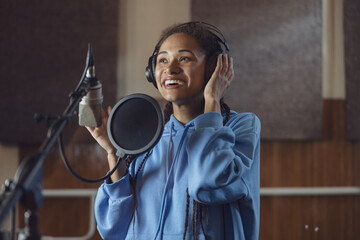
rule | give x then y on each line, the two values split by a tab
118	189
210	119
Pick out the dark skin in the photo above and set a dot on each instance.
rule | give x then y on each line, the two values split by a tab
179	75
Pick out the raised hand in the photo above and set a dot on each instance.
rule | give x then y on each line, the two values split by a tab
218	84
100	133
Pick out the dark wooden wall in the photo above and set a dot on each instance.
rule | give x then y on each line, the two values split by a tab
352	70
68	216
276	46
325	159
43	48
331	162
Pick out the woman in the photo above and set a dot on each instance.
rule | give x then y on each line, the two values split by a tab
201	181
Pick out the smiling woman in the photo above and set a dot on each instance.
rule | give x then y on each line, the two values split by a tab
201	180
180	72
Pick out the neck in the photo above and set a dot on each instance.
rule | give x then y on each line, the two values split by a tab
186	112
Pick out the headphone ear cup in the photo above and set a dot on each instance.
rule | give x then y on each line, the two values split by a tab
149	72
211	65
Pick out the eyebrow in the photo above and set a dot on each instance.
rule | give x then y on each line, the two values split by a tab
181	50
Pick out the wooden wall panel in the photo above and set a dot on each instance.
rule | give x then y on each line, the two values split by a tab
43	49
352	70
63	217
276	46
334	161
72	214
310	218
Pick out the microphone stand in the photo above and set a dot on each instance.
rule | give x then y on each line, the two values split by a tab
28	177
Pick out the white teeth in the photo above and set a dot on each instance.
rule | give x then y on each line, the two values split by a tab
173	82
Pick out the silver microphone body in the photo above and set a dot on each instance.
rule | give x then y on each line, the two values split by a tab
91	104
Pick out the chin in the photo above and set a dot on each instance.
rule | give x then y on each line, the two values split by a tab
181	98
186	101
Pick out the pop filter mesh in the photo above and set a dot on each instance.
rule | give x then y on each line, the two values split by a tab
134	124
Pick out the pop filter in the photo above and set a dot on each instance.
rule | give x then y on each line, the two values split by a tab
135	124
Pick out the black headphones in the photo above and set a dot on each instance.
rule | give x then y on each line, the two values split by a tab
211	61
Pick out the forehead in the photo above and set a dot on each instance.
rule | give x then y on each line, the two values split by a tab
179	41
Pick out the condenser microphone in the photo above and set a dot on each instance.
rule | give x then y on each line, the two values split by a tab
91	104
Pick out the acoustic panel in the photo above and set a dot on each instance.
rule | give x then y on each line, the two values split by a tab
276	46
43	48
352	67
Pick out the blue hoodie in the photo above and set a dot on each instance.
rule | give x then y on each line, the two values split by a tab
217	165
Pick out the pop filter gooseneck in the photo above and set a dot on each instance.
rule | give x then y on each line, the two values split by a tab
135	124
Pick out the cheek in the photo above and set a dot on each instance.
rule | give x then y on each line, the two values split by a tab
157	75
199	77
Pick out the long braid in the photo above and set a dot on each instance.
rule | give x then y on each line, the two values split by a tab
198	207
141	164
193	219
186	213
133	180
128	161
198	214
225	109
200	217
168	111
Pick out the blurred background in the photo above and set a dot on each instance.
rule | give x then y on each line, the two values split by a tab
296	65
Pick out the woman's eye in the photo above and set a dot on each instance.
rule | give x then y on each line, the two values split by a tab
162	60
184	59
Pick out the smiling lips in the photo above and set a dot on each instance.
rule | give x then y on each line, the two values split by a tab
173	83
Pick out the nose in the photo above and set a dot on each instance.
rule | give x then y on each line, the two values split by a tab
173	67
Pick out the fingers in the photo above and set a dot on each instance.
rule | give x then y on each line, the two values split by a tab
109	108
105	114
100	133
225	66
230	73
225	63
90	129
104	117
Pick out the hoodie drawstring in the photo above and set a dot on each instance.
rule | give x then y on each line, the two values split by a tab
167	195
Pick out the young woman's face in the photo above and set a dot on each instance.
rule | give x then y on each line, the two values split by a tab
180	68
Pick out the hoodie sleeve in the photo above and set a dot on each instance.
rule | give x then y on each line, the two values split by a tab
224	160
114	206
